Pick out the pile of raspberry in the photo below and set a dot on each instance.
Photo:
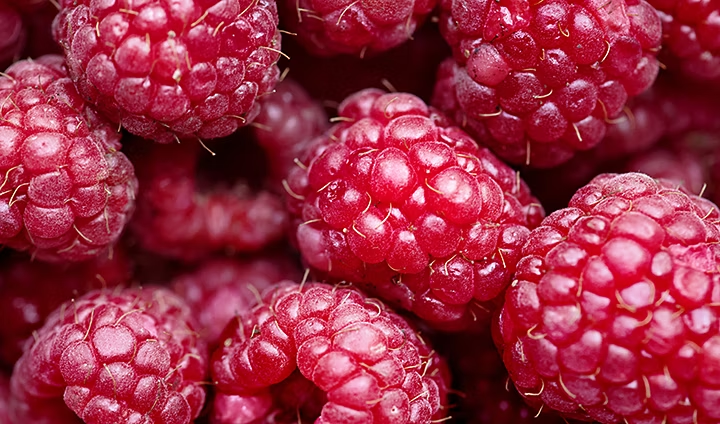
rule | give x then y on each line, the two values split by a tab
359	211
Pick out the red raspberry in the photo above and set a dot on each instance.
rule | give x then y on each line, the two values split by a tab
172	69
127	356
399	201
613	314
691	36
288	120
12	35
67	191
221	289
537	81
183	213
331	27
30	291
369	362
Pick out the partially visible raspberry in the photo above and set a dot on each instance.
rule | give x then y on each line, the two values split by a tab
331	27
683	168
12	35
288	120
31	290
691	37
371	364
397	200
168	70
126	356
613	314
538	81
66	191
184	213
221	289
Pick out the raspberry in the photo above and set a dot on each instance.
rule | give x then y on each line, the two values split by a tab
172	70
288	120
221	289
67	191
12	35
30	291
691	37
331	27
397	200
128	356
538	81
182	213
613	314
682	168
370	363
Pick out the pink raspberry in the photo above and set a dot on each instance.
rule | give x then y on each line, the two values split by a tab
168	70
12	35
613	313
220	289
66	191
184	213
331	27
127	356
370	363
538	81
397	200
30	291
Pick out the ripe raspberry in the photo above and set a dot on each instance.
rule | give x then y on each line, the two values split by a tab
182	213
168	70
399	201
369	361
537	81
613	314
288	120
331	27
127	356
67	191
691	36
30	291
221	289
12	35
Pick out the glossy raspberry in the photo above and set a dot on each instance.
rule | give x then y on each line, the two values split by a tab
370	363
165	70
183	213
397	200
220	289
31	290
538	81
330	27
288	120
613	314
12	34
66	191
127	356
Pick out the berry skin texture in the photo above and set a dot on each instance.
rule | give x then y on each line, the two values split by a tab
613	314
182	216
12	35
67	191
172	70
127	356
360	28
369	362
396	200
31	290
538	81
220	289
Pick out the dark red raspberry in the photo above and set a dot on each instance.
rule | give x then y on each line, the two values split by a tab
126	356
288	120
30	291
537	81
221	289
66	191
12	35
330	27
399	201
165	70
371	364
613	313
183	213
